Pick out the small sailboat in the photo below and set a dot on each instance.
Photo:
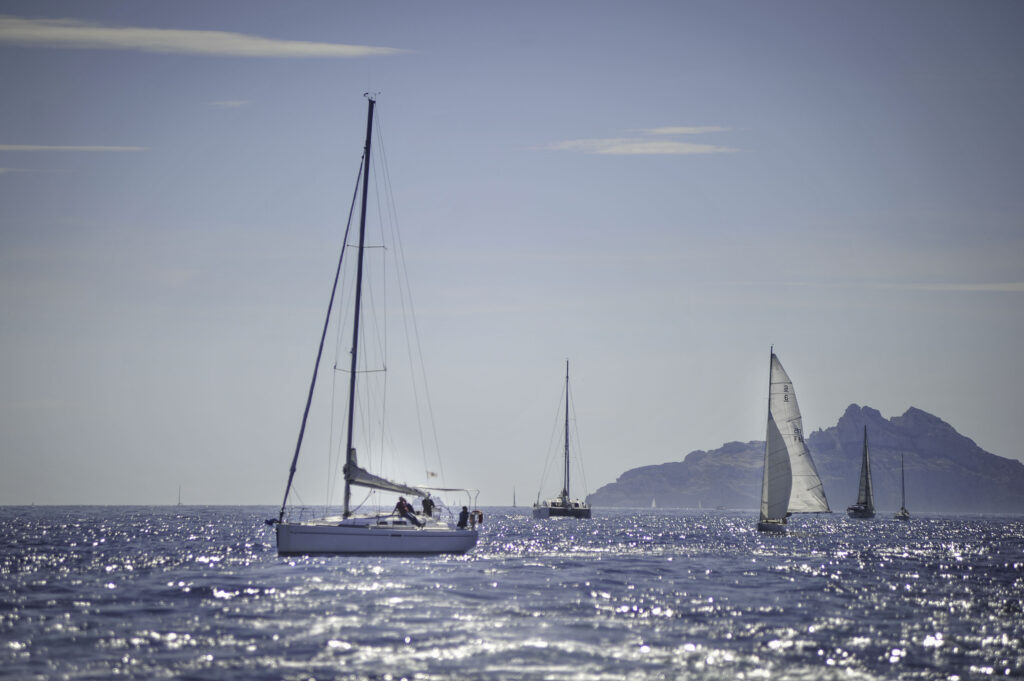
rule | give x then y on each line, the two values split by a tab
790	483
903	513
379	532
865	506
654	502
563	505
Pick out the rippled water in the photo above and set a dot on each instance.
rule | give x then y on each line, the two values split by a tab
199	593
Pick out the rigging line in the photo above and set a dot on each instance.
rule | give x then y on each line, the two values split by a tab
579	446
405	298
551	442
320	350
381	316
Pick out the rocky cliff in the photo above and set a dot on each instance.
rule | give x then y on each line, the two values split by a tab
945	472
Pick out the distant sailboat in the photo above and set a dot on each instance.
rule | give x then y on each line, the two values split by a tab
790	483
562	505
865	506
179	495
654	503
903	513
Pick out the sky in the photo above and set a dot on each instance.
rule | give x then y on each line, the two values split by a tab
658	191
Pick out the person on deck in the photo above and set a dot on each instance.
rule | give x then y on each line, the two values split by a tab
428	507
463	518
404	510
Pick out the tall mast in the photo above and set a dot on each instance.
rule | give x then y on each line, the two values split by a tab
350	454
903	485
565	488
767	444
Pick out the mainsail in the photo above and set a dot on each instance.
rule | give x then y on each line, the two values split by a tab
791	483
865	493
354	475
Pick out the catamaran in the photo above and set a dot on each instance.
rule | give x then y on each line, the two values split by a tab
865	506
377	531
790	483
563	505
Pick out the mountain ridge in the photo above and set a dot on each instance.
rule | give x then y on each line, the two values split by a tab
945	471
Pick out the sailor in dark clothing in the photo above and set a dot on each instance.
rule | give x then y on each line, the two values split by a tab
404	510
463	518
428	507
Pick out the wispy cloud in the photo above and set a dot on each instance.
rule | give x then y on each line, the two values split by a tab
1005	287
636	146
230	104
940	287
43	147
683	130
71	33
656	141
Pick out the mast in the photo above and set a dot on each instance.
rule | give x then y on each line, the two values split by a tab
350	454
903	485
767	444
565	488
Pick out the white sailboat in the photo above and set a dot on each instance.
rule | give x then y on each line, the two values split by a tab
790	483
865	506
903	513
378	532
563	505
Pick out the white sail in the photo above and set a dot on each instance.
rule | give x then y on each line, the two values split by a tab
791	483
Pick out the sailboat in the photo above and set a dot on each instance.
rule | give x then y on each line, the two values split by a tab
903	513
563	505
373	533
790	483
865	506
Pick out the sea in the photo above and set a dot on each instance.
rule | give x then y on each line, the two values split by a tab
187	592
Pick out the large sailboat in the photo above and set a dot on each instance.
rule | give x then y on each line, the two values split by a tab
865	506
563	505
380	530
790	483
903	513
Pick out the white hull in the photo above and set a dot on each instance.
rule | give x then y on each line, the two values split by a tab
361	537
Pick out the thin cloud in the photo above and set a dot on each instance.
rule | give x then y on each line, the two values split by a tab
44	147
71	33
684	130
1005	287
657	141
637	146
945	287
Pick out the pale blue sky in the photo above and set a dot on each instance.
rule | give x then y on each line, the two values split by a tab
659	191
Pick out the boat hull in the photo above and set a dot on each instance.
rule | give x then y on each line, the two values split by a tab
858	511
540	512
346	539
772	526
902	514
